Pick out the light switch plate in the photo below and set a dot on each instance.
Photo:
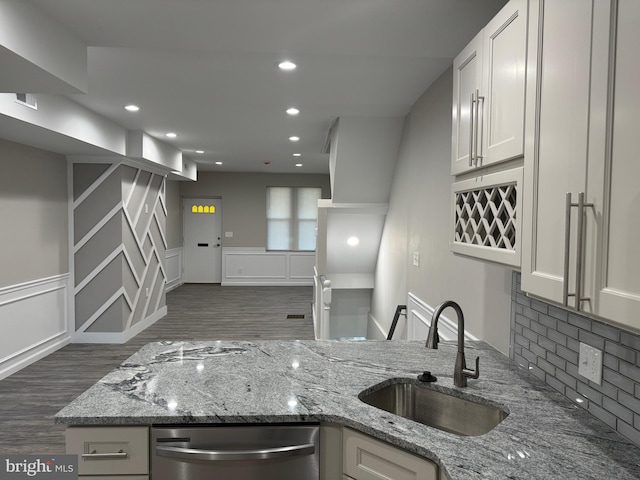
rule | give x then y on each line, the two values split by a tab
416	259
228	234
590	363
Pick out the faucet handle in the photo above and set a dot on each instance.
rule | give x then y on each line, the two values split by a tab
471	373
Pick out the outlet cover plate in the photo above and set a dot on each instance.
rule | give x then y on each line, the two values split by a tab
590	363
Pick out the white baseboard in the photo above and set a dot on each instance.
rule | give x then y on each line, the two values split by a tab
33	320
118	337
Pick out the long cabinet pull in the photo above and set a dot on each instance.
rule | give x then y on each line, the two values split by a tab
471	129
104	456
579	251
478	132
219	455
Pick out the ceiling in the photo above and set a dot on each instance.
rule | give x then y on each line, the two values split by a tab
207	69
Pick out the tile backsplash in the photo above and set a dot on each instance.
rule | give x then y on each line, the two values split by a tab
546	340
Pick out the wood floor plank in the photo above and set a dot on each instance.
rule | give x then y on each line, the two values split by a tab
30	398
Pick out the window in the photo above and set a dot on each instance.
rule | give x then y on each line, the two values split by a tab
292	213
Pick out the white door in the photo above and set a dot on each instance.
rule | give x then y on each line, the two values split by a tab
202	238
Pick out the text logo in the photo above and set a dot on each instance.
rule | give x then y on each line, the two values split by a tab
50	467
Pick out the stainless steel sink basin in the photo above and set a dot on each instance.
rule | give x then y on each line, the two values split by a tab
434	408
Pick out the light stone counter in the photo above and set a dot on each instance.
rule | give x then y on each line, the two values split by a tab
544	437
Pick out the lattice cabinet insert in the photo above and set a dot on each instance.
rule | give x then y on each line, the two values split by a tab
486	217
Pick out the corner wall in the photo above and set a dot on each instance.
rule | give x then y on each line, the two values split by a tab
418	221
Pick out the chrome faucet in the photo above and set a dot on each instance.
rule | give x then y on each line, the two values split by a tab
460	373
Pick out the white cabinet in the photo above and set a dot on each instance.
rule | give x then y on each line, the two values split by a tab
107	452
489	92
581	126
366	458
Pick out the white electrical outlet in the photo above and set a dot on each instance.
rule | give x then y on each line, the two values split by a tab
146	291
590	363
416	259
228	234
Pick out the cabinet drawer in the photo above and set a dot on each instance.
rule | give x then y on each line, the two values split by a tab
368	459
110	450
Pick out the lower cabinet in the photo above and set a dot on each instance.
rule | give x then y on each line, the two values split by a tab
365	458
110	453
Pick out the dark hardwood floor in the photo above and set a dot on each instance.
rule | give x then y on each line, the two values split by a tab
30	398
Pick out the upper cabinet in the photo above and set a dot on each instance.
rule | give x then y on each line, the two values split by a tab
580	224
489	93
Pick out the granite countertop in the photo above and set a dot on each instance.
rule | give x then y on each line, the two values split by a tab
544	436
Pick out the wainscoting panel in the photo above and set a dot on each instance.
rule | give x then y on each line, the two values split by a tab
33	320
255	266
173	264
419	316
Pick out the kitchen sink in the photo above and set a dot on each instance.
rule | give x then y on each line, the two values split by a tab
435	408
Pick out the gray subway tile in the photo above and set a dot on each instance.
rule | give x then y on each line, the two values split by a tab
547	344
636	421
602	414
522	299
529	356
606	331
530	334
610	361
569	330
558	313
530	313
519	309
591	339
567	354
557	337
617	380
539	306
573	370
548	321
520	340
629	401
590	393
618	410
573	344
556	384
537	349
537	371
538	328
520	360
606	389
546	366
566	379
619	351
629	432
574	396
630	340
522	320
580	322
629	370
559	362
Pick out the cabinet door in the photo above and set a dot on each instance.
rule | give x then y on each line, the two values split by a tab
467	80
613	226
556	138
503	85
368	459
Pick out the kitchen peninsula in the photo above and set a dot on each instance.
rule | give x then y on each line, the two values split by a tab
269	382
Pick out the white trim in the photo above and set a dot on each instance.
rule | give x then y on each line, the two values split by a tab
419	316
20	301
96	271
120	292
112	213
119	337
379	333
99	181
176	280
133	187
260	267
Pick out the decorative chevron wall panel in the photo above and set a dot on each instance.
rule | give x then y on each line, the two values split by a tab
119	246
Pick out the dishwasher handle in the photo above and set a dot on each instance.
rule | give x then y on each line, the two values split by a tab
220	455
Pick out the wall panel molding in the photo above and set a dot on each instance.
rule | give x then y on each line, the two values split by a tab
419	315
173	265
34	321
256	266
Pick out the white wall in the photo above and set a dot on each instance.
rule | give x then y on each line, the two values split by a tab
419	220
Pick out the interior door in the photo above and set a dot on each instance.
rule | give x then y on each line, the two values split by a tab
202	240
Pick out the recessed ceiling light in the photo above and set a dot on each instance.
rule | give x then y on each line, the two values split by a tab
353	241
294	139
297	154
171	135
199	151
132	108
298	164
287	65
293	111
218	163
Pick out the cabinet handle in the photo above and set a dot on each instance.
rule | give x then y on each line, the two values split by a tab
218	455
478	132
471	129
579	251
104	456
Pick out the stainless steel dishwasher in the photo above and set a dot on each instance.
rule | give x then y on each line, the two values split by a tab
242	452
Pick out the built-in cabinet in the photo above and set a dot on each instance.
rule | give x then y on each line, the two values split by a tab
488	117
581	226
366	458
106	453
489	92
